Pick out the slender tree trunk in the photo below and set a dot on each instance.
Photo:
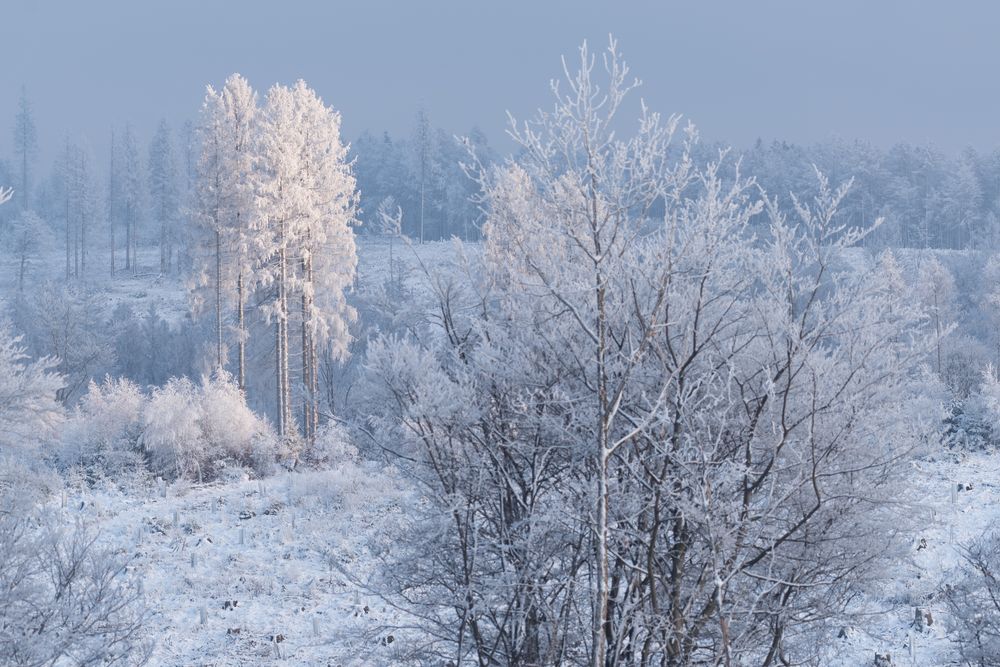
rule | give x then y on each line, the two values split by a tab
20	274
218	298
310	411
241	324
278	380
164	266
67	185
283	370
313	371
286	385
128	238
111	203
601	621
83	243
306	384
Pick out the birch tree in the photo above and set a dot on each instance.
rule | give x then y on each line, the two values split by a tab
224	204
651	440
306	203
280	192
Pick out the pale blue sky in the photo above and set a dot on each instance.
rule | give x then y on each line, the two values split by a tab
801	70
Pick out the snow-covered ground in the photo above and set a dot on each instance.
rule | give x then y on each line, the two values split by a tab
268	572
257	572
949	518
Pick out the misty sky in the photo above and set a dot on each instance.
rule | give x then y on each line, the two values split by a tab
885	71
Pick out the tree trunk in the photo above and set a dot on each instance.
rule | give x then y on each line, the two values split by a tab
277	382
111	203
67	186
241	323
218	298
284	387
83	243
164	267
128	237
306	385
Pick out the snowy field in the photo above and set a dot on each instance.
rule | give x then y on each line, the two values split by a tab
274	571
257	572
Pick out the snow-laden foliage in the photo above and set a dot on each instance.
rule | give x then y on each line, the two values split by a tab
196	430
275	198
306	202
64	599
102	434
61	321
182	429
29	408
662	439
221	243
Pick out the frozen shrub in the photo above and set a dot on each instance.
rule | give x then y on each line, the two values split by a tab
333	446
231	431
196	431
171	433
63	598
963	362
102	435
974	602
968	424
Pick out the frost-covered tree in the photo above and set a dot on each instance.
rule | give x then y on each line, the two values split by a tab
223	257
79	207
306	203
422	156
25	240
59	322
29	409
25	143
163	192
131	194
649	438
389	224
113	180
65	599
935	290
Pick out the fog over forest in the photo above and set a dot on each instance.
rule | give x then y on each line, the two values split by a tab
460	334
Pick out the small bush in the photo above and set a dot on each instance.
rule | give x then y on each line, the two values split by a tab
181	430
102	435
195	431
